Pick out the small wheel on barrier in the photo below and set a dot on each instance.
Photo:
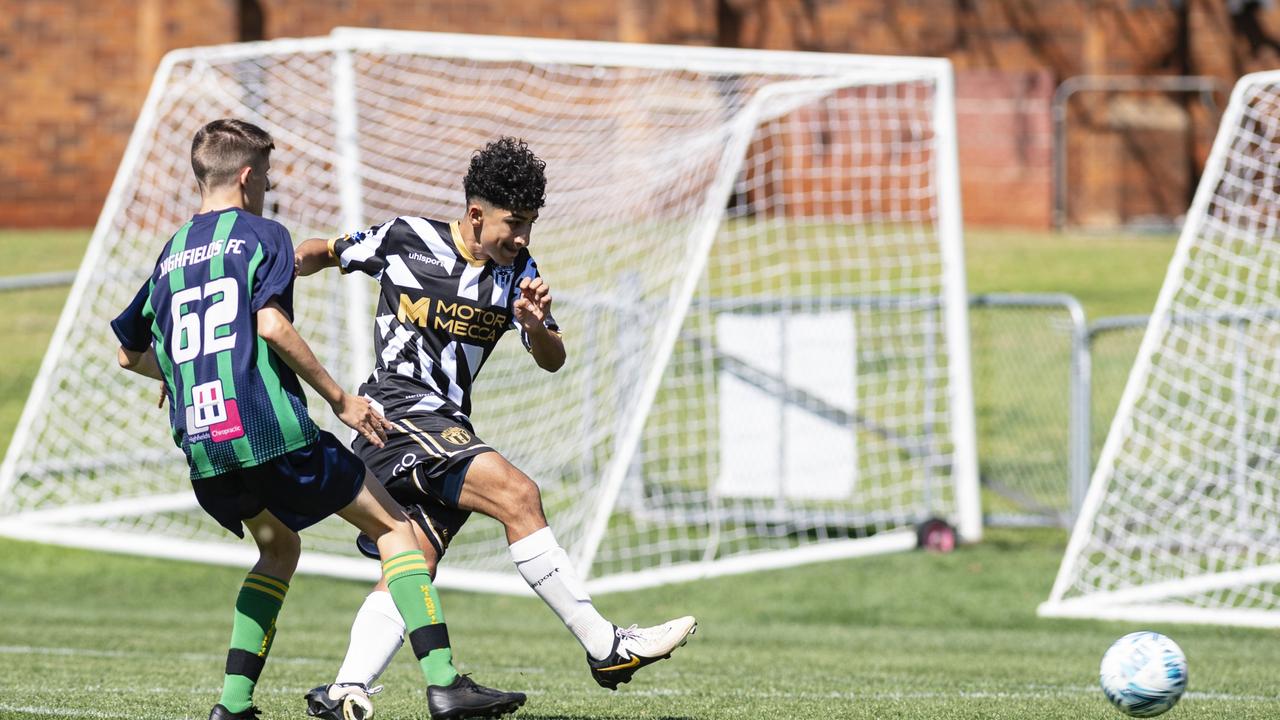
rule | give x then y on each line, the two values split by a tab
936	535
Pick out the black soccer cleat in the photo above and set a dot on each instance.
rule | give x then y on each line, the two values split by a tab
465	699
634	647
220	712
353	705
367	547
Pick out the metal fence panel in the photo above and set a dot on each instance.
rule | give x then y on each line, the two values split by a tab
1024	386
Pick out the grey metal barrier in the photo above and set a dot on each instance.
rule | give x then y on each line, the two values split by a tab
37	280
1205	88
1113	345
1030	363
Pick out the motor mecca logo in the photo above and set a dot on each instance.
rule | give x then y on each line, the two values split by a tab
454	317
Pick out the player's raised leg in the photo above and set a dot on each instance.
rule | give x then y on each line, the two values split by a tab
498	489
257	606
407	577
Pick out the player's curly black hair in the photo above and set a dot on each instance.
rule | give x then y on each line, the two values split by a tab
507	174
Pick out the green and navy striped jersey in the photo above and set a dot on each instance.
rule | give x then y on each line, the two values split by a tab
233	402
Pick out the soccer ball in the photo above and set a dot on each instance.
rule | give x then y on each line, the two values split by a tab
1143	674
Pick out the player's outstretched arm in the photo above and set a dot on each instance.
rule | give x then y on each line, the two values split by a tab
532	309
312	256
275	328
144	363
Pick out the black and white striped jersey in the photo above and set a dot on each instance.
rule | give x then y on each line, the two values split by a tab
440	312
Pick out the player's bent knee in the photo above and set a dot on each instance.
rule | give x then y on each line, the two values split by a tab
523	502
528	496
279	552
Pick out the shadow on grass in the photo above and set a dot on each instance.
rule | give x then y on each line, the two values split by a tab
524	716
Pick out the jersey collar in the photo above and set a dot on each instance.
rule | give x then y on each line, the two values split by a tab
455	229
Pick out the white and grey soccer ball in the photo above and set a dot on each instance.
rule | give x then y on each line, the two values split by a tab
1143	674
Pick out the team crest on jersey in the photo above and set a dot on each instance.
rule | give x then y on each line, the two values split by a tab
456	435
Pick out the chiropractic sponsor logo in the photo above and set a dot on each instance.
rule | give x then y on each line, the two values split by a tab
431	604
266	640
419	257
211	416
454	317
199	254
455	435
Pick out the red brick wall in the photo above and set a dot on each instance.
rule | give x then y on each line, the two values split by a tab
75	73
1006	146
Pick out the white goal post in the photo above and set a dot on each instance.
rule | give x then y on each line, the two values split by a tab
1182	519
756	259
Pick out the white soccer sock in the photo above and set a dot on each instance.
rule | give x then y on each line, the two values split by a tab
376	635
545	566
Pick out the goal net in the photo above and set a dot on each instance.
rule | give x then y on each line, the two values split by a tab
1182	518
755	257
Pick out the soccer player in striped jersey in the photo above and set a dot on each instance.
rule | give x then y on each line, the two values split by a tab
448	293
213	322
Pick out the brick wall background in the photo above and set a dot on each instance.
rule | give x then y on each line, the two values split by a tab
75	73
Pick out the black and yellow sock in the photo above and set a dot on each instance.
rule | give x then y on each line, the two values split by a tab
409	582
257	606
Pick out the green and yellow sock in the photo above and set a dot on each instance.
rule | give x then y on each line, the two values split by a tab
409	582
257	606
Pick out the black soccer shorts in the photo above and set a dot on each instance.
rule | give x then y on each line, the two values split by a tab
423	465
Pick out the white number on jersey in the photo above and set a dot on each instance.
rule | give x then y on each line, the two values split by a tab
186	342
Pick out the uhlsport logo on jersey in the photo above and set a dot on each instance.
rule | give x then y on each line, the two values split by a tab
427	259
211	416
455	435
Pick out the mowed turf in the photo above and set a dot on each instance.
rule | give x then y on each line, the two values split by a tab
91	635
914	635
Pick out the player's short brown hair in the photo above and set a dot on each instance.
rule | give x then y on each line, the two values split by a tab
224	147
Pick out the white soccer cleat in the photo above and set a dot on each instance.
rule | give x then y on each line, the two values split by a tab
634	647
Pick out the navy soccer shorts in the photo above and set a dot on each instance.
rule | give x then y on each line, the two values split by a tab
300	488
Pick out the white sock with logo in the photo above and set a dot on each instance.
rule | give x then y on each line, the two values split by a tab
376	635
545	566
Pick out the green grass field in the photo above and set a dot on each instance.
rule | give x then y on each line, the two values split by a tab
904	636
917	635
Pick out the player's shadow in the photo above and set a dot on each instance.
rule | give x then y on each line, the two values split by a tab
524	716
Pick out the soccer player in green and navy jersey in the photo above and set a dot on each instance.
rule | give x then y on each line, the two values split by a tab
448	293
213	321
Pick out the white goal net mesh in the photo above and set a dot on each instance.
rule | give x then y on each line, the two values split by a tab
1182	521
755	274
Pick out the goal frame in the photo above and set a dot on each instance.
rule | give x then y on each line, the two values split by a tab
1138	604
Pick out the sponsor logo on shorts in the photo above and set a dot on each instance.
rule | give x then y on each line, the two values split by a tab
456	435
405	466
